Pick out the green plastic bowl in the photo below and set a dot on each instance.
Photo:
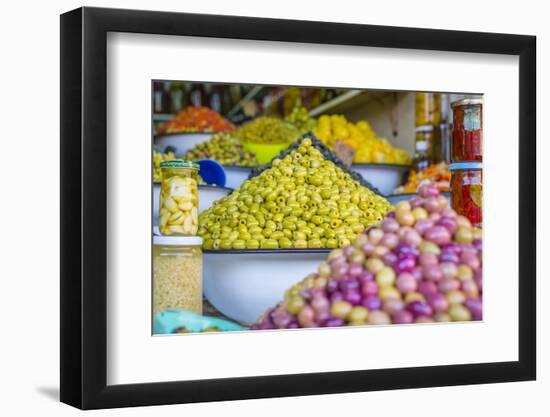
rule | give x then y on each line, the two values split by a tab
265	152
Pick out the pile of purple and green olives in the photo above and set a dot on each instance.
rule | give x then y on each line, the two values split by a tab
421	264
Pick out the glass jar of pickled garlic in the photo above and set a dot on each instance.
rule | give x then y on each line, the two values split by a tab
177	273
179	198
466	190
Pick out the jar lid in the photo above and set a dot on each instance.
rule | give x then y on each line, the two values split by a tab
179	163
177	240
465	165
425	128
467	102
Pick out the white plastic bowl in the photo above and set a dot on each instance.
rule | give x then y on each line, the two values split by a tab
235	175
207	195
180	142
243	284
385	177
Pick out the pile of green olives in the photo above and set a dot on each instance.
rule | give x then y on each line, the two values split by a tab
301	201
225	149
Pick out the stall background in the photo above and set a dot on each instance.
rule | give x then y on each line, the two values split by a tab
30	249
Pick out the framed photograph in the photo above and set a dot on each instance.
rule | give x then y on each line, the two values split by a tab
259	208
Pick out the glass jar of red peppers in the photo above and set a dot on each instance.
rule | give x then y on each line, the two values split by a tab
467	135
467	190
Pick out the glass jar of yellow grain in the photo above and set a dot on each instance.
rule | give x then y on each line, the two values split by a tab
427	109
179	198
177	273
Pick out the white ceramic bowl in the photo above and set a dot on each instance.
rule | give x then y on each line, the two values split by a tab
385	177
235	175
207	195
180	142
243	284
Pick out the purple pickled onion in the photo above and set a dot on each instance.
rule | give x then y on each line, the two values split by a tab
368	248
448	224
372	302
448	284
468	249
404	248
451	247
405	263
365	276
438	302
389	258
427	258
416	202
348	283
402	317
332	285
417	273
478	243
422	225
320	303
293	325
355	269
333	322
420	308
316	292
338	260
369	288
432	272
394	305
449	257
427	287
352	296
336	296
476	308
348	250
339	271
428	190
282	320
390	225
321	315
391	214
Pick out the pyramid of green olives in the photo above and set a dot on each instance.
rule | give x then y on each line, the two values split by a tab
301	201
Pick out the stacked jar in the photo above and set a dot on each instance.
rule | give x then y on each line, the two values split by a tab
177	251
431	129
467	157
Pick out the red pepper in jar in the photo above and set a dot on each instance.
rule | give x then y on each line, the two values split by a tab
467	135
467	190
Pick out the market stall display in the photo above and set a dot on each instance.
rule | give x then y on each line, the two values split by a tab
369	148
302	201
423	263
179	200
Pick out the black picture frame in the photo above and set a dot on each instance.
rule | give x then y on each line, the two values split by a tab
84	207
